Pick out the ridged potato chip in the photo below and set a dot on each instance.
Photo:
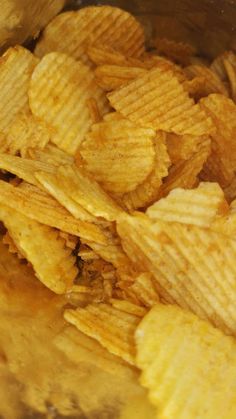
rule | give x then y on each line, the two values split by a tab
220	166
176	51
128	307
16	67
95	114
143	290
182	147
158	100
66	85
51	154
213	83
41	245
111	77
147	192
231	73
188	366
112	147
195	87
106	55
74	31
192	266
26	131
218	66
44	209
113	328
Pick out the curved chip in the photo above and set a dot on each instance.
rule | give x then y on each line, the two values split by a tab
188	366
72	32
58	93
158	100
213	83
182	147
111	77
176	51
112	147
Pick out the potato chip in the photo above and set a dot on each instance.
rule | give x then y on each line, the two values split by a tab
93	110
182	147
176	51
193	266
230	190
184	174
24	168
188	366
66	85
197	206
147	192
53	263
24	132
213	83
220	166
231	73
195	87
111	327
46	210
144	289
113	146
16	67
51	154
218	64
72	32
12	248
128	307
106	55
157	100
111	77
70	240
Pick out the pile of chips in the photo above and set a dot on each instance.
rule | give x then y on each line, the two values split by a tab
118	187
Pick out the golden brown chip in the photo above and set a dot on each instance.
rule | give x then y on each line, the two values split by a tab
66	85
182	147
94	110
106	55
158	100
113	328
176	51
51	154
230	70
128	307
147	192
112	147
41	245
195	87
74	31
220	166
16	67
26	131
111	77
188	366
144	289
213	83
12	248
44	209
218	64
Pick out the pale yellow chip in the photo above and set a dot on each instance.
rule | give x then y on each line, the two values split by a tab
72	32
188	366
51	154
16	67
213	83
112	147
113	328
176	51
43	208
41	245
58	93
128	307
197	206
143	290
147	192
111	77
158	100
26	131
220	166
182	147
184	174
193	267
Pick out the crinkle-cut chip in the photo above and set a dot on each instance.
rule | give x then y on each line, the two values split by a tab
128	307
106	55
93	110
41	245
182	147
195	87
230	70
58	93
222	160
158	100
213	83
144	289
193	266
16	67
176	51
82	295
218	64
26	131
111	116
74	31
188	366
24	168
80	187
198	206
184	174
112	147
112	328
51	154
46	210
111	77
12	248
147	192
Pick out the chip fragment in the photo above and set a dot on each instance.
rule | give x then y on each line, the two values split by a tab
188	366
111	77
74	31
112	147
66	85
182	147
213	83
113	328
158	100
176	51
